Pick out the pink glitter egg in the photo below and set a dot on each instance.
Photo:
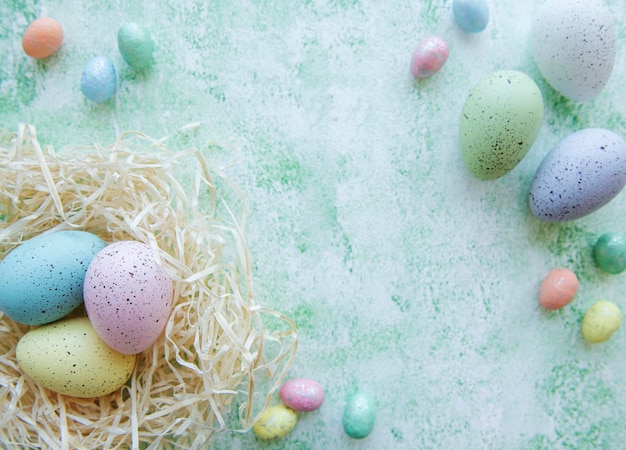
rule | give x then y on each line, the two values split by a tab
302	394
429	57
128	296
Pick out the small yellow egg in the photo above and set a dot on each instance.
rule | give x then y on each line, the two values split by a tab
601	322
275	423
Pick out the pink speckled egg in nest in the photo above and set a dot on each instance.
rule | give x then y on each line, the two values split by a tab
128	296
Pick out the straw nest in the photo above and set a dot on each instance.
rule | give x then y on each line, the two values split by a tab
217	354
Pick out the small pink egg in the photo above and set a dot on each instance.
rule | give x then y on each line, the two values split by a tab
302	394
128	296
429	57
558	288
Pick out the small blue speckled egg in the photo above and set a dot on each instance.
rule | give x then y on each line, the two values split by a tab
42	279
471	15
582	173
574	45
99	79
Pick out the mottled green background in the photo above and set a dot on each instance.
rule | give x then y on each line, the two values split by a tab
407	277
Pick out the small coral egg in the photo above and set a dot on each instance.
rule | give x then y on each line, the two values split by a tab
275	423
302	394
429	57
558	288
42	38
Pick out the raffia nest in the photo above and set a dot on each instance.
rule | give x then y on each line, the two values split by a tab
217	353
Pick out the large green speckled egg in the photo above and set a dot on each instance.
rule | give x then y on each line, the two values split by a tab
500	121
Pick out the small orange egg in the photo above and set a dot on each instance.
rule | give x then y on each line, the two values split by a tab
42	38
558	288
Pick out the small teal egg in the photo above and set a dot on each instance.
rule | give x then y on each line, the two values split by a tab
42	279
610	253
582	173
471	15
136	45
99	79
359	416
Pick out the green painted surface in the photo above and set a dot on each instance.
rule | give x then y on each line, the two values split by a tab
406	275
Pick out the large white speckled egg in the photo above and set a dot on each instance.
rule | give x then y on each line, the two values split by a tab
574	45
68	357
499	123
582	173
128	296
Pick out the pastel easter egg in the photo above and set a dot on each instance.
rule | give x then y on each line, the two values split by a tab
601	322
99	79
574	45
582	173
429	56
68	357
499	123
136	45
610	253
471	15
359	415
42	279
275	423
42	38
558	288
128	296
302	394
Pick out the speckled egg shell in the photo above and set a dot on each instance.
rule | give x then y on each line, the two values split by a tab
574	45
68	357
499	123
128	296
582	173
99	79
302	394
42	279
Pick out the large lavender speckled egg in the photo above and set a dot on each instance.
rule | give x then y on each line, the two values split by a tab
582	173
574	45
128	296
